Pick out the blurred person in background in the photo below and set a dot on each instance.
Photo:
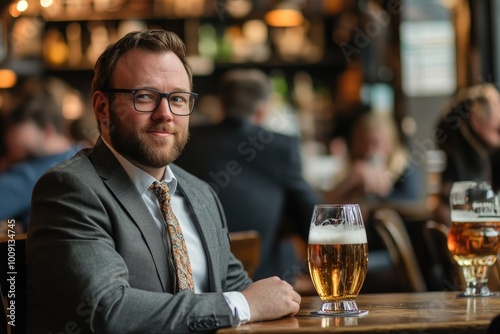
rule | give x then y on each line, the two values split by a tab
376	170
256	173
34	142
468	132
377	164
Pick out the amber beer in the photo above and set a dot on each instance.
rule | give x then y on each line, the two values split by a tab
338	261
475	246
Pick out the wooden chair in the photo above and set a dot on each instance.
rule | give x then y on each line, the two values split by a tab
437	238
390	226
245	245
4	237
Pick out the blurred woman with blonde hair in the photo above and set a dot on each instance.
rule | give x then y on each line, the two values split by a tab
377	164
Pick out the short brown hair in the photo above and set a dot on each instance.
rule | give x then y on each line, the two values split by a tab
155	40
241	91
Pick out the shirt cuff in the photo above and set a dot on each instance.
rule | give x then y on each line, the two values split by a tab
239	306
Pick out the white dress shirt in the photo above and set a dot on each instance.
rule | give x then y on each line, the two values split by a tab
142	180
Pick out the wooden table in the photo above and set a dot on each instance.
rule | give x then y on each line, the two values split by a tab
423	313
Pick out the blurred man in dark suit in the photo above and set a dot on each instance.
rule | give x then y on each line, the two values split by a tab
257	173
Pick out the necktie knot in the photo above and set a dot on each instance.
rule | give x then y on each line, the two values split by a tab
161	190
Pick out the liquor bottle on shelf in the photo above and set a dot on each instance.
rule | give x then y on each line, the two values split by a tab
55	50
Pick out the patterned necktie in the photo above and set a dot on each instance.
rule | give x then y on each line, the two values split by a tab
179	251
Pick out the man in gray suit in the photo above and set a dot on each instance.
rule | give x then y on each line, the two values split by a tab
98	258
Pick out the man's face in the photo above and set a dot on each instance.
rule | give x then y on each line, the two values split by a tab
150	140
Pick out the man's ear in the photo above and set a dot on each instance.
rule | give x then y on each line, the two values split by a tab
100	104
260	115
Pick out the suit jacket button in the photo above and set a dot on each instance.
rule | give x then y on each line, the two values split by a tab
193	326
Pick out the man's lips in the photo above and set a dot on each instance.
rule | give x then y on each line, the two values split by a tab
160	132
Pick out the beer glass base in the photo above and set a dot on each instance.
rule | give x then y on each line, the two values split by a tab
344	308
478	293
466	295
478	290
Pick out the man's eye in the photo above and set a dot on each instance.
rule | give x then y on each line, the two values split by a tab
144	96
178	99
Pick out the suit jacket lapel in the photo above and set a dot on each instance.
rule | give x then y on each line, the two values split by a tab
206	231
125	192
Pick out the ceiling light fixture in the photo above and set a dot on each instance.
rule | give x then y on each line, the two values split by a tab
22	5
285	14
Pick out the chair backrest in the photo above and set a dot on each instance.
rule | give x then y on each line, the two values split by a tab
6	237
449	271
13	284
391	228
245	245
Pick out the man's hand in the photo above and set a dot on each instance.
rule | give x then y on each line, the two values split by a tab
271	298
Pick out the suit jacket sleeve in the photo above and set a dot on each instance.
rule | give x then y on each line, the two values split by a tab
94	269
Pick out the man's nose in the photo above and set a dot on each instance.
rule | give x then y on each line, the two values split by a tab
163	110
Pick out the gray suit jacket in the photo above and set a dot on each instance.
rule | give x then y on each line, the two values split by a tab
96	262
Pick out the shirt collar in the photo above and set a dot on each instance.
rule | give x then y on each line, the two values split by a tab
141	179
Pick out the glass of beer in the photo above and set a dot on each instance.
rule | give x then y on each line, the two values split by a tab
337	254
474	235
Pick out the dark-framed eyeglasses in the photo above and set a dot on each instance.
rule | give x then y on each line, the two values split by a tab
147	100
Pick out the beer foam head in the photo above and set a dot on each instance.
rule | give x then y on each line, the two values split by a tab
472	216
328	235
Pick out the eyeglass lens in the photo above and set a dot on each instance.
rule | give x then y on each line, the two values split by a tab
148	100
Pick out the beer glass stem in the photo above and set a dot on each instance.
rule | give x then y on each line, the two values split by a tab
340	306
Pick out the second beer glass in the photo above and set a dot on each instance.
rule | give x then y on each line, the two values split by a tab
474	236
338	257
